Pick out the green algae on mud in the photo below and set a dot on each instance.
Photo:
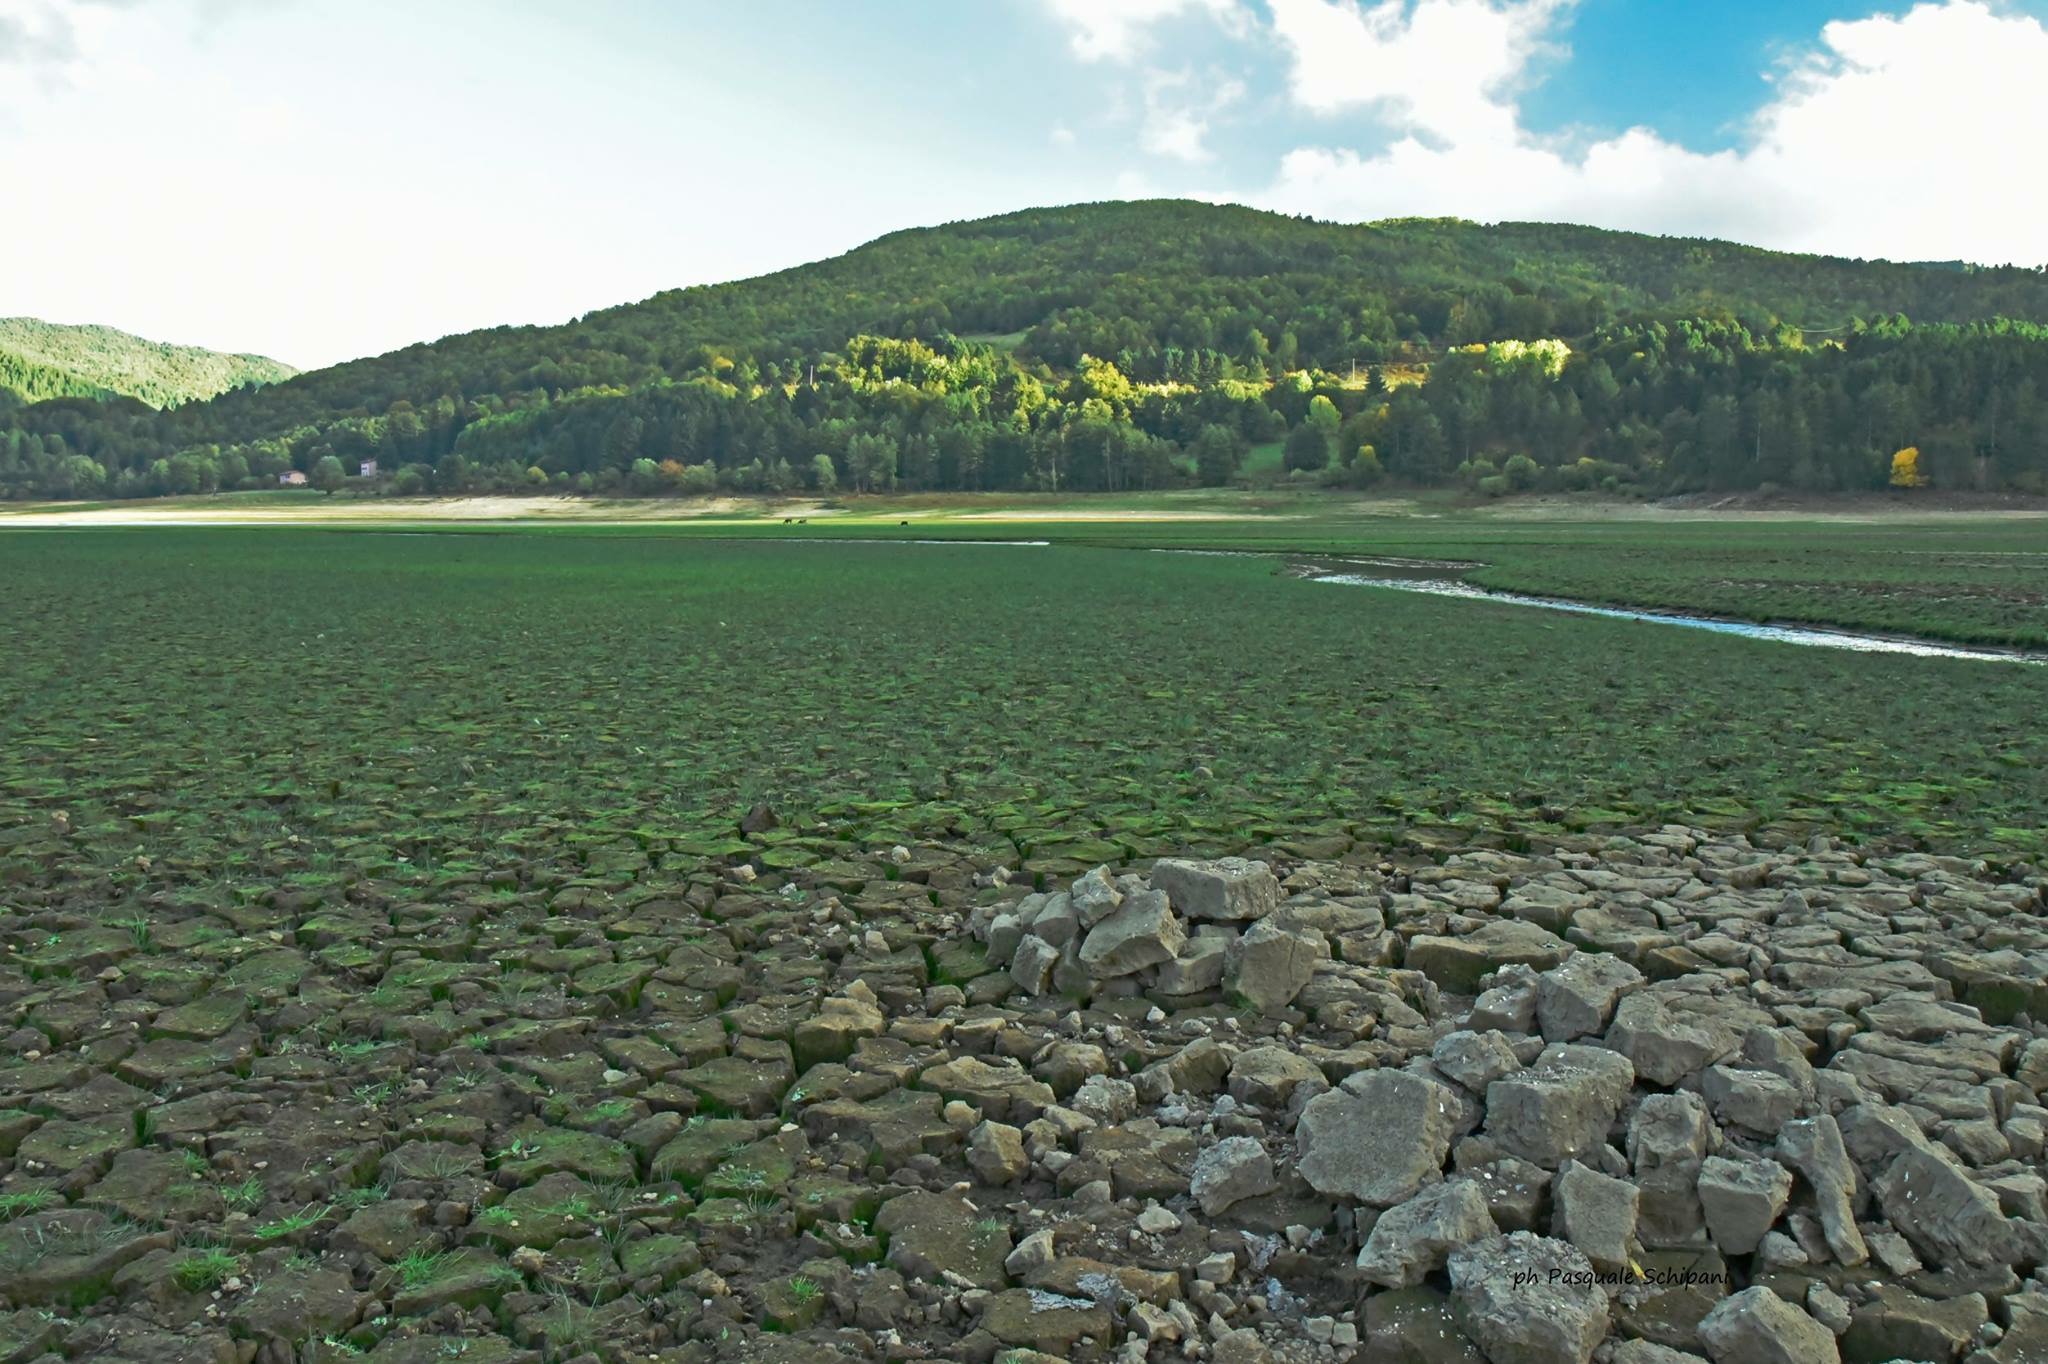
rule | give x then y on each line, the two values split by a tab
319	706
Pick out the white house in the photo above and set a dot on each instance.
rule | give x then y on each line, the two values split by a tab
292	478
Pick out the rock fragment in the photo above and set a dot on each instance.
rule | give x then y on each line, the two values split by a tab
1559	1108
1576	999
1224	889
1742	1199
1813	1148
1229	1172
1141	932
1529	1299
1268	966
1597	1213
1756	1326
1412	1240
1378	1137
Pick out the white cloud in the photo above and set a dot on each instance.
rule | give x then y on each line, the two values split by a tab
44	44
1895	137
1178	109
1117	30
1442	67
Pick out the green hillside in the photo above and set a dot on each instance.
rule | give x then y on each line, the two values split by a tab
41	360
1152	344
1173	274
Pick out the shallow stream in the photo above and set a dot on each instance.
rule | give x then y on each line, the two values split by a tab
1782	634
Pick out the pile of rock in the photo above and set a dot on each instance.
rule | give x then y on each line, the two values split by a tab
1189	933
1693	1102
1661	1098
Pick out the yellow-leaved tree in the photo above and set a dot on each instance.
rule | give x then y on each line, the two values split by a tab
1906	469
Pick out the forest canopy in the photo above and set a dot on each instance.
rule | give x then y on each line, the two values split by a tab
1147	345
41	360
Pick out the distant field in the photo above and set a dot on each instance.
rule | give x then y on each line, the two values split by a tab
1266	460
1000	340
470	698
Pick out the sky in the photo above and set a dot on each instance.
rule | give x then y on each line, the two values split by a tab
321	179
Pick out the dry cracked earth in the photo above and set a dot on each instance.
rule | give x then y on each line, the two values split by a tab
1641	1100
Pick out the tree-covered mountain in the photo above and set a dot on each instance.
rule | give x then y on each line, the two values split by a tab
41	360
1146	344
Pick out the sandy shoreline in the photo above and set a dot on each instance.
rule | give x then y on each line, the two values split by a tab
267	510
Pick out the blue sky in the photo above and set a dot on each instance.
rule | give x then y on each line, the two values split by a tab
1695	81
317	179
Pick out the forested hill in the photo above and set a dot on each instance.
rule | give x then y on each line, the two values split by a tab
1172	274
1146	344
41	360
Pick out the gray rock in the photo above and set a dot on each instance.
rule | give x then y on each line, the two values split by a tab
1474	1059
1032	1253
1548	905
1516	1191
1528	1299
1458	964
1197	1068
1828	1307
1269	965
1559	1108
1141	932
1508	1005
1742	1199
2022	1194
2032	1070
1226	888
1231	1171
1773	1049
1576	999
1756	1326
1198	967
1241	1346
995	1151
1094	896
1649	1352
1411	1241
1378	1137
1756	1101
1899	1324
1876	1134
1813	1148
1597	1213
1032	963
1005	931
1056	921
1268	1076
1894	1253
1669	1136
1949	1217
1105	1100
1665	1045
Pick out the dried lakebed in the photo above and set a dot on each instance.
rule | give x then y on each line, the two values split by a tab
1654	1098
